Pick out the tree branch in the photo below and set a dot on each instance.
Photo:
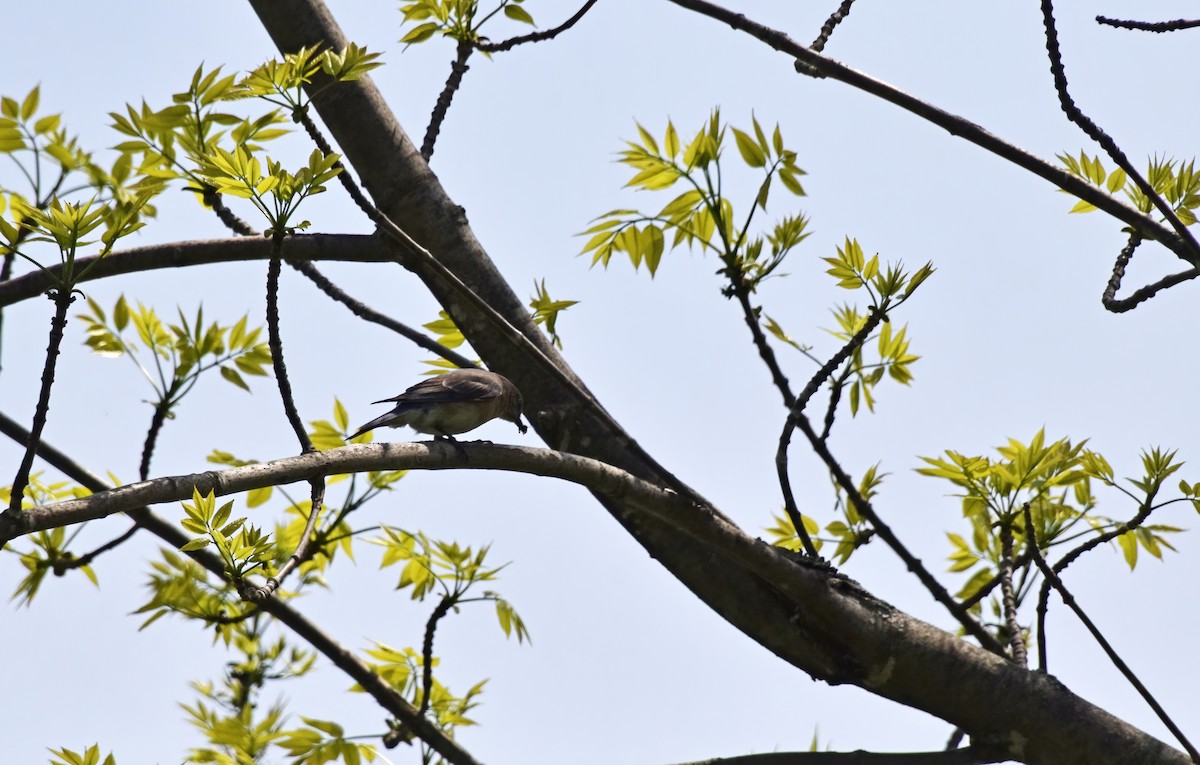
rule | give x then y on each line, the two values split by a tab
350	248
956	125
549	34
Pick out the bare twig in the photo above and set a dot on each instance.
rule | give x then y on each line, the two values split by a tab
1139	296
1016	641
549	34
458	67
213	199
1093	131
837	17
1150	26
276	344
367	313
62	303
161	410
443	607
1053	579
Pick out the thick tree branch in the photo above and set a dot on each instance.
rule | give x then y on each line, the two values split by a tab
350	248
972	755
956	125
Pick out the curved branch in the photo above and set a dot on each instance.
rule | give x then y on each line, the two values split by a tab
849	636
350	248
341	657
549	34
956	125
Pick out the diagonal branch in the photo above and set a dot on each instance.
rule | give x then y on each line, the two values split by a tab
549	34
956	125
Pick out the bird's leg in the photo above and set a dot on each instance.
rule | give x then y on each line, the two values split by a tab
453	442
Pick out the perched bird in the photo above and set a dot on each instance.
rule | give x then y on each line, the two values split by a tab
453	403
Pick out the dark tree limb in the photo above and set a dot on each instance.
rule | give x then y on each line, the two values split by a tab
955	125
58	322
1150	26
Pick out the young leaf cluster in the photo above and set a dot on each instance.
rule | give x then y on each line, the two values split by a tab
850	532
50	551
90	756
178	353
447	566
455	18
702	214
1055	480
243	548
1173	180
403	670
546	310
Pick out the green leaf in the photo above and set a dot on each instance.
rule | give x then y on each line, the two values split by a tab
517	13
196	544
749	149
231	374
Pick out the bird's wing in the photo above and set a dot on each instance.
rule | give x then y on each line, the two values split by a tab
461	385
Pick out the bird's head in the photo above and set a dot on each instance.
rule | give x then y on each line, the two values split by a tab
513	405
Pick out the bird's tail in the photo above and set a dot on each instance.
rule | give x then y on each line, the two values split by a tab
395	418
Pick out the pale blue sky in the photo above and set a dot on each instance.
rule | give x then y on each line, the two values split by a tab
626	665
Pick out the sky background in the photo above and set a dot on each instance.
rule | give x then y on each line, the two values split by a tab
625	664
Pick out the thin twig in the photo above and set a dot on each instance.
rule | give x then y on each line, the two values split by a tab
1150	26
213	199
87	558
1093	131
549	34
367	313
1057	583
1016	641
276	344
796	411
1139	296
161	410
830	24
62	303
864	508
431	624
458	67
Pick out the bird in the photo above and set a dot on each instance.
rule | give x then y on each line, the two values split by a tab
453	403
